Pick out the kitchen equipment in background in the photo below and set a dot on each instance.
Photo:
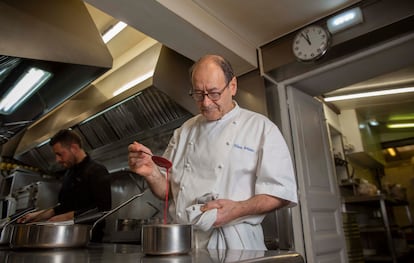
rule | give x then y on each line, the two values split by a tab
128	230
7	206
166	239
18	178
24	188
66	234
41	194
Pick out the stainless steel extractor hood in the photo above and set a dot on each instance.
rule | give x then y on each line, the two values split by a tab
148	112
58	36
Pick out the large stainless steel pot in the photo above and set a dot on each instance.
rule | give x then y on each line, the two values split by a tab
59	234
166	239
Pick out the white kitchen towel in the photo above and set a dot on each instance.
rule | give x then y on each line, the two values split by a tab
201	220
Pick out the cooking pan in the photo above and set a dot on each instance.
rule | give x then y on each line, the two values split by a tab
7	227
66	234
166	239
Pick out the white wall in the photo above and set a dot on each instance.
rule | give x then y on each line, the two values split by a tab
350	130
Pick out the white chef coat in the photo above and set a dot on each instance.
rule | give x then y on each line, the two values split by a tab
236	157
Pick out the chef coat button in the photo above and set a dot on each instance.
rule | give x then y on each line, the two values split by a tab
234	122
182	188
227	143
186	165
220	166
191	143
179	214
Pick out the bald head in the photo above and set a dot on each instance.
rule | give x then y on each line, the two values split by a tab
214	86
218	61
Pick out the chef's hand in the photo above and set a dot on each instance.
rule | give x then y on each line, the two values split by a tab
63	217
36	216
138	161
226	210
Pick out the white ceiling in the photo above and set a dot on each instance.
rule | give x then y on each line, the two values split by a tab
236	29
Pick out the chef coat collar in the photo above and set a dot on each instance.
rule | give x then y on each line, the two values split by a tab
232	113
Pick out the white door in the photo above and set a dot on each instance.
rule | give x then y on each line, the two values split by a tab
318	190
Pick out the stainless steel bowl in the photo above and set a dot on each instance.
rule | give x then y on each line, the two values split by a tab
166	239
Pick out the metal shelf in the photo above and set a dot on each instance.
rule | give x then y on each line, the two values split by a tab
365	160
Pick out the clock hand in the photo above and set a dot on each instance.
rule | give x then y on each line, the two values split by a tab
306	37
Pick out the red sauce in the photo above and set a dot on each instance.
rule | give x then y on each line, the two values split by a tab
166	198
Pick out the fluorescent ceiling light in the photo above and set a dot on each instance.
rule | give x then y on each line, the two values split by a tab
370	94
113	31
400	125
25	86
344	20
134	82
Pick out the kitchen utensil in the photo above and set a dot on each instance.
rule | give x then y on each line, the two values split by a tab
166	239
60	234
160	161
167	164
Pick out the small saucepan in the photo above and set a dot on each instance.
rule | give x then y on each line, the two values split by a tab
67	234
166	239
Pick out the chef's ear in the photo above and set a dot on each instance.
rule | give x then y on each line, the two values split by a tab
75	146
233	86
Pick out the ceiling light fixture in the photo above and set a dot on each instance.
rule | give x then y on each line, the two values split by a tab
344	20
391	151
400	125
369	94
133	83
25	86
373	122
113	31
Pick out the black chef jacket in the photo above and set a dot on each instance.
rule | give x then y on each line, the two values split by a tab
86	186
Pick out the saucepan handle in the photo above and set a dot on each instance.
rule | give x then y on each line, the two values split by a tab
88	218
110	212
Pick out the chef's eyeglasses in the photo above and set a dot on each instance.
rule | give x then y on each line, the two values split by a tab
214	96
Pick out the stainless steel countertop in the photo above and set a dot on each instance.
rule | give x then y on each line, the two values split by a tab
127	253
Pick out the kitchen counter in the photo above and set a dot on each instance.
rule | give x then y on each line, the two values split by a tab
126	253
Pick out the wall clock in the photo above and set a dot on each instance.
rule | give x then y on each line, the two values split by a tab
311	43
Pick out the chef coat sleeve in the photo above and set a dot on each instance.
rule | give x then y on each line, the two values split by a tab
275	173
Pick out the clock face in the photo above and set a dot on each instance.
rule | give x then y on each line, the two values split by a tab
311	43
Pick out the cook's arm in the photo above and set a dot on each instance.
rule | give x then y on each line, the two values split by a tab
40	215
228	210
63	217
142	164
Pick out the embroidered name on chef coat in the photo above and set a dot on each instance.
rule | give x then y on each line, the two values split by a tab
245	148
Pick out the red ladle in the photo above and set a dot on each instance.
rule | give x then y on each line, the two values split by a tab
160	161
164	163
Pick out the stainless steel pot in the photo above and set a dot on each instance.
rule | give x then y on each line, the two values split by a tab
7	228
50	236
58	234
166	239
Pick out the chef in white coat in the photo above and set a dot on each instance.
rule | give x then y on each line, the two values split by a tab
231	166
